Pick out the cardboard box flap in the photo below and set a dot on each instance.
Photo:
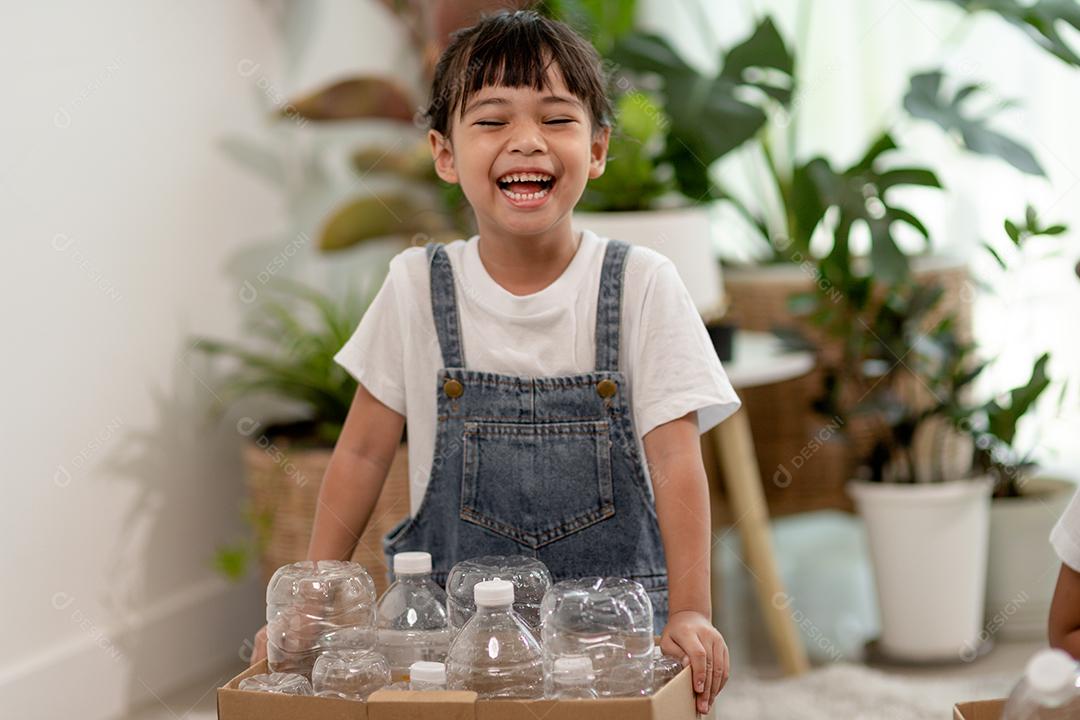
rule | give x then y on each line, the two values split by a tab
981	710
406	704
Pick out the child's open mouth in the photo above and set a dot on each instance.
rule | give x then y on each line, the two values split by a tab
526	189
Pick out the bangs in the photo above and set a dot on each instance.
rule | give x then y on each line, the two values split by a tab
515	50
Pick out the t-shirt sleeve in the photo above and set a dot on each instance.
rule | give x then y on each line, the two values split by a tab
1065	537
678	370
374	354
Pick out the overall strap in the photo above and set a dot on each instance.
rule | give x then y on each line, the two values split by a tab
444	305
609	306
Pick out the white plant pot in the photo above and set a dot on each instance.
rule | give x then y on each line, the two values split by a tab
1023	566
683	235
928	544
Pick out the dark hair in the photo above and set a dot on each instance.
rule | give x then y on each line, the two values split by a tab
515	49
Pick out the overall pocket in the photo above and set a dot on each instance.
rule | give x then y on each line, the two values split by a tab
536	482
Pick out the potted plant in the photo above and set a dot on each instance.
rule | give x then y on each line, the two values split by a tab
289	361
1023	567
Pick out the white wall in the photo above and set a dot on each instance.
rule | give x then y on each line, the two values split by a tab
119	215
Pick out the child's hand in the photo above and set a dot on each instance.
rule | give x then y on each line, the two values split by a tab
690	637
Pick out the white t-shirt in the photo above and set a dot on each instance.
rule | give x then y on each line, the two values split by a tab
1065	537
665	352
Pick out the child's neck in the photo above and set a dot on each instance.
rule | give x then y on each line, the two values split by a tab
526	265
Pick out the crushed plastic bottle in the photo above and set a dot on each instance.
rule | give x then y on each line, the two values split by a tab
1049	689
349	674
530	577
665	668
608	620
425	675
412	621
572	678
284	683
496	654
312	606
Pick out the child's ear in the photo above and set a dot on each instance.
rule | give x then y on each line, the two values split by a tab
443	155
598	152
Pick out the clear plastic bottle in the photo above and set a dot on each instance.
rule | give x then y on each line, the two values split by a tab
284	683
1049	689
665	668
531	579
412	622
572	678
496	655
427	676
608	620
349	674
312	606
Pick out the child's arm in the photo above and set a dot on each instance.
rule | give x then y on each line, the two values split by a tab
355	476
352	483
1064	625
682	507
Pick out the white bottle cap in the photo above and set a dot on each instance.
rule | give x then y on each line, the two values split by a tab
1052	674
494	593
425	671
574	667
411	563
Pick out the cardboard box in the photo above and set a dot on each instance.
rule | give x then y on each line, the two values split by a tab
675	701
982	710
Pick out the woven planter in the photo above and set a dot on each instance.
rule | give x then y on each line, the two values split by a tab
790	439
284	482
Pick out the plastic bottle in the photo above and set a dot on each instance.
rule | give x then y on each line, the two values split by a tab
572	678
411	616
312	606
425	675
530	577
665	668
349	674
1048	690
496	655
284	683
608	620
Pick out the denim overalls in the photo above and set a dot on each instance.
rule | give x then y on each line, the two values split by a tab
547	467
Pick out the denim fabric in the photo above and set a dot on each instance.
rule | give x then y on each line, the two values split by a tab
540	466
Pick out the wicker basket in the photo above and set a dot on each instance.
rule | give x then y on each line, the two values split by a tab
788	436
284	482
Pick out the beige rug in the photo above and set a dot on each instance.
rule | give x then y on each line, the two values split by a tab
853	692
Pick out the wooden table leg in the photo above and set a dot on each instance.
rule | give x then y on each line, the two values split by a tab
735	446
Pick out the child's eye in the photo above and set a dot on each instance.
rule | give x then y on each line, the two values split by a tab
560	121
488	122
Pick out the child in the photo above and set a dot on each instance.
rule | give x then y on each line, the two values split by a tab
1064	625
537	366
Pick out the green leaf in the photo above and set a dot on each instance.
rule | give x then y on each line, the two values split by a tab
1004	419
1040	21
378	216
1012	231
995	255
925	99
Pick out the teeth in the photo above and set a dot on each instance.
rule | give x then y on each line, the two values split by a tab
525	177
523	196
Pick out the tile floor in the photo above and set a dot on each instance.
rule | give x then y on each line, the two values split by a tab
823	561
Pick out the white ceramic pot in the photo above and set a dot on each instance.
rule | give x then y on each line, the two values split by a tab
928	544
683	235
1023	567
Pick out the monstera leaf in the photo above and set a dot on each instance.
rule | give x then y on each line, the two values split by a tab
602	21
926	99
859	193
1039	20
711	116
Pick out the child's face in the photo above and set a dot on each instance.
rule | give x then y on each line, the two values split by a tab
512	129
